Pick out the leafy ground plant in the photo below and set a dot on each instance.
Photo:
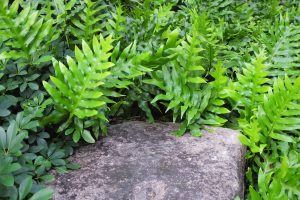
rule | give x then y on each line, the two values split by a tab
69	67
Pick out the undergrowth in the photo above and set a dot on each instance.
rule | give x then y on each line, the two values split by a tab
69	67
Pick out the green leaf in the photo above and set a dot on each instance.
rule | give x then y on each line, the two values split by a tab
87	136
25	187
183	110
284	167
43	59
43	194
73	166
4	112
3	142
58	162
161	97
33	86
196	80
282	137
47	178
191	114
195	131
253	194
6	101
173	104
76	136
31	125
69	131
262	180
154	82
11	133
7	180
244	140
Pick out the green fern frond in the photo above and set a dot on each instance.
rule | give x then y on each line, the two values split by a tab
282	42
166	52
131	66
129	63
25	34
163	16
273	132
206	106
251	86
185	90
280	110
77	89
277	117
190	58
117	23
90	20
219	93
208	37
126	77
183	74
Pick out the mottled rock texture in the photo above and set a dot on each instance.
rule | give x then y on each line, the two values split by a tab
142	161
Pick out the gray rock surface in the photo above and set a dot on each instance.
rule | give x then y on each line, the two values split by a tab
140	161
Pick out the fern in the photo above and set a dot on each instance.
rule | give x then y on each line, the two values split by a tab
154	29
131	68
129	63
194	60
220	91
186	92
174	76
274	130
26	35
251	86
208	36
78	88
117	68
163	16
89	20
282	42
117	23
279	111
126	75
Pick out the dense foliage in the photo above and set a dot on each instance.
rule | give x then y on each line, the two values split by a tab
68	67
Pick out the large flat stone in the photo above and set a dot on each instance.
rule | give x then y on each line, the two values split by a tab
141	161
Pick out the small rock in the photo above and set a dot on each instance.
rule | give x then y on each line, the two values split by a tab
141	161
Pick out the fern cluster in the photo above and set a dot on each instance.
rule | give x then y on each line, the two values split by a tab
68	68
78	88
26	34
273	130
88	21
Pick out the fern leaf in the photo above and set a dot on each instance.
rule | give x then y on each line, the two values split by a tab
252	85
117	23
77	89
89	20
279	111
186	91
282	43
27	35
